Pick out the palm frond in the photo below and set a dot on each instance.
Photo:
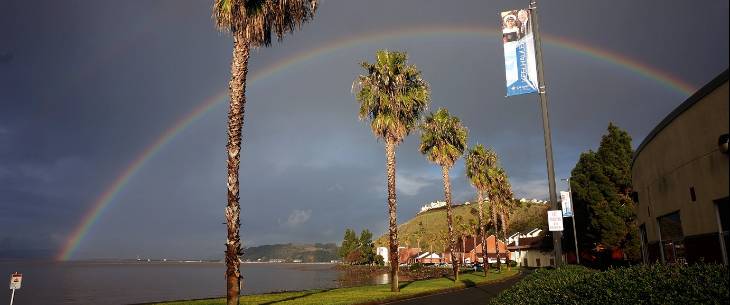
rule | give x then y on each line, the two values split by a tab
392	95
443	138
259	20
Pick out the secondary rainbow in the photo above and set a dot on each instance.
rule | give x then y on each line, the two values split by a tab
99	205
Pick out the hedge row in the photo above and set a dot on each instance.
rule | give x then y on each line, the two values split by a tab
642	284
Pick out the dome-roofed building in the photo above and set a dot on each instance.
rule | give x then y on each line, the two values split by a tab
680	179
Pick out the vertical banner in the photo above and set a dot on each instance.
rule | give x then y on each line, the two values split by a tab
567	204
519	52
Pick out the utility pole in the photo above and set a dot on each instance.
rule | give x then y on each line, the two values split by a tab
557	244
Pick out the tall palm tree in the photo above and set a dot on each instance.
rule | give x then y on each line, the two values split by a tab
443	141
498	193
506	201
393	96
251	23
479	162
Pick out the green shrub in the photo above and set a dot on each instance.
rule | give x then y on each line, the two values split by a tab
545	286
642	284
415	266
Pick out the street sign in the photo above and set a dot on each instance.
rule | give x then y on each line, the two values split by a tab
566	203
15	280
555	220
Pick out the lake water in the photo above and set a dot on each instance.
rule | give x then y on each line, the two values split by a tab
135	282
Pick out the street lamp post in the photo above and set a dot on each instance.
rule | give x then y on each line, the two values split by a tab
557	243
572	218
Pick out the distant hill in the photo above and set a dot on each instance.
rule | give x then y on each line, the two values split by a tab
308	253
526	216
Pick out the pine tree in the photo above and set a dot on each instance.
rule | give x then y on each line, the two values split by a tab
601	185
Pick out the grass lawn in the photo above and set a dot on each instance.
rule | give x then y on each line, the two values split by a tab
362	294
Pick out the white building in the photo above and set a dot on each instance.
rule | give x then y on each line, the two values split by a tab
527	249
383	251
433	205
525	200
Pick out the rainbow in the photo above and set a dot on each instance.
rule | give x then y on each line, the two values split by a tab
107	197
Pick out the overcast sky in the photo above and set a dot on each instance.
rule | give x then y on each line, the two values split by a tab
87	86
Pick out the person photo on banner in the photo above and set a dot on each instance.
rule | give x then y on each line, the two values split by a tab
510	31
525	27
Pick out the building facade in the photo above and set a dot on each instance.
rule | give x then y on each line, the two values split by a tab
469	249
531	249
680	180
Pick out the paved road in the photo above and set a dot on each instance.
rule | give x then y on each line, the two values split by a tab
473	295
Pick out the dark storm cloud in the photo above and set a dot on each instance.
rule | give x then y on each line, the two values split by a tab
6	57
91	86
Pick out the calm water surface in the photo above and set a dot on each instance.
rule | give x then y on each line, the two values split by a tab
135	282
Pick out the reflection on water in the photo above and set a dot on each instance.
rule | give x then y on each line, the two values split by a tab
361	277
136	282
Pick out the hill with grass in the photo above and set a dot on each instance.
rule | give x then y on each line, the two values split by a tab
307	253
428	229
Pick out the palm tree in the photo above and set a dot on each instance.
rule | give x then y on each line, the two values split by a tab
420	232
393	96
479	162
471	231
506	201
464	229
251	23
498	196
443	141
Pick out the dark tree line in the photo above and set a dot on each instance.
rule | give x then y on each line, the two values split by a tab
359	250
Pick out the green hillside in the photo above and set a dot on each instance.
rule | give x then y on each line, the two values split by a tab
308	253
430	226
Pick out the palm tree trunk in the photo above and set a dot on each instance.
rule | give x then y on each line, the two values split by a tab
237	91
449	221
463	248
483	227
504	232
474	246
496	230
393	226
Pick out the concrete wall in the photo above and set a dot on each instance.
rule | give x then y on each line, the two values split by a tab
681	155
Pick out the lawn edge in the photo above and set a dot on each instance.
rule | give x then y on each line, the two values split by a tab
379	302
437	292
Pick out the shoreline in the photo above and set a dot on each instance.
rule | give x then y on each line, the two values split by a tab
361	295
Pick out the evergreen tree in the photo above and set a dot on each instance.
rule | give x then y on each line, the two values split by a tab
358	250
349	244
601	185
367	248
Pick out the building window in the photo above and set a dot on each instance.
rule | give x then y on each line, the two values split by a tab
552	262
692	194
644	243
537	262
724	212
524	262
672	238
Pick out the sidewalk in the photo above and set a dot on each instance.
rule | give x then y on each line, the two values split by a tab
480	295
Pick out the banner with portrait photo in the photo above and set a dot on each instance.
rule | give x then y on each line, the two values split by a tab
519	52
